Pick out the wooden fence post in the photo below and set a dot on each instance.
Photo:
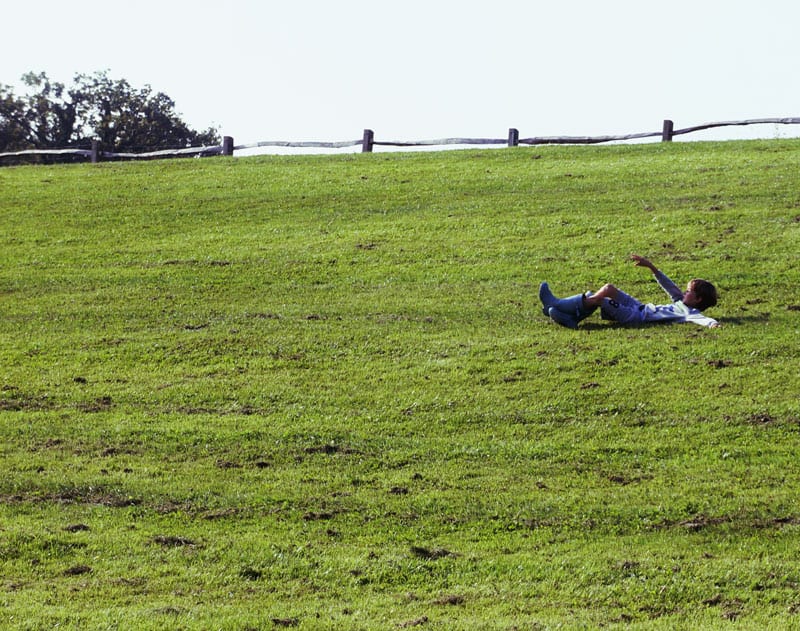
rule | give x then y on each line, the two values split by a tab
95	156
513	137
666	131
368	141
227	146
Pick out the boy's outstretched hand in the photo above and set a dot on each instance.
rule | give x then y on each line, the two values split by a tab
640	261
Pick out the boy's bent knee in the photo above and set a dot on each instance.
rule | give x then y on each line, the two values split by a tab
608	291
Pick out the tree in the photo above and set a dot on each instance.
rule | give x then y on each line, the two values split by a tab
94	107
13	132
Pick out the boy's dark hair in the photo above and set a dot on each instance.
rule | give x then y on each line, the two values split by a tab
706	292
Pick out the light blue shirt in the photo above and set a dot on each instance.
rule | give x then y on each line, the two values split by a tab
677	311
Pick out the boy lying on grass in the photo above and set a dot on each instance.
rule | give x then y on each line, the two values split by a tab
618	306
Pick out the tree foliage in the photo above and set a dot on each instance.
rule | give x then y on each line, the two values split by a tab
52	115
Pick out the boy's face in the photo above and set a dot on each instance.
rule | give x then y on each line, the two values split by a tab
691	299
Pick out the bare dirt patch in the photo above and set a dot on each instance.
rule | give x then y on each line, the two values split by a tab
330	449
431	554
169	541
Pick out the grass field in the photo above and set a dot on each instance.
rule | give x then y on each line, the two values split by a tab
318	392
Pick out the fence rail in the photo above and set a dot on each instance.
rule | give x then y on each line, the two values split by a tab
368	142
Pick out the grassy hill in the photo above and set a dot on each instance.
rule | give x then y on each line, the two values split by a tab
319	392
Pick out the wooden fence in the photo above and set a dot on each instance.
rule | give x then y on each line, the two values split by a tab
368	142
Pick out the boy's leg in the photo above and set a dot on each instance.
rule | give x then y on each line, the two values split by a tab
565	311
618	306
564	319
615	305
570	305
606	291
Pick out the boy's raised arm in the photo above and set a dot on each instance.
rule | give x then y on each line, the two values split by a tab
673	291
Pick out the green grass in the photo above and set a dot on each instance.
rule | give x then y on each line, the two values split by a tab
319	392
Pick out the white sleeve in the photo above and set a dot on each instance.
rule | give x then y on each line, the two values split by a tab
702	320
673	291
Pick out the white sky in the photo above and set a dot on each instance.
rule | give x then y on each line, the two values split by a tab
420	69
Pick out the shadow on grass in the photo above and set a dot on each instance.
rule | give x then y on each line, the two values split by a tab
606	324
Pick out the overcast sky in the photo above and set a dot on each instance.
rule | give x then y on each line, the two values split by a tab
421	69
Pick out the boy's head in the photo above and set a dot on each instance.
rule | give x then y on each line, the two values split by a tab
700	294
